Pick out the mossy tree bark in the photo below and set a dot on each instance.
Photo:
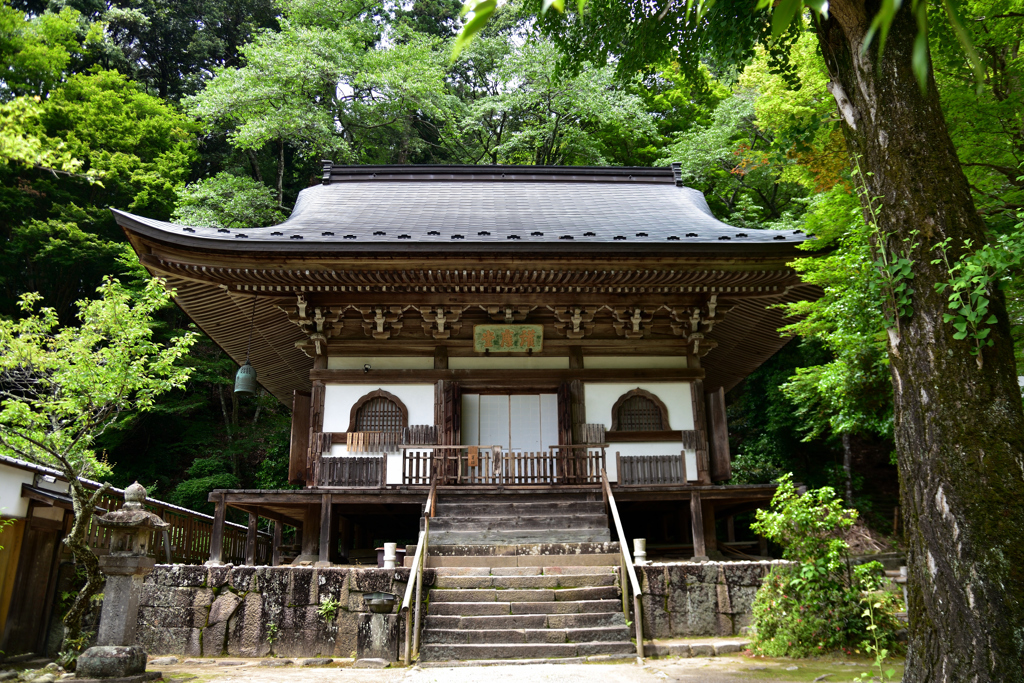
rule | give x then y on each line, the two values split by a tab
959	426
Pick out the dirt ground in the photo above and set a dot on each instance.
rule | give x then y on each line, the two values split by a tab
732	669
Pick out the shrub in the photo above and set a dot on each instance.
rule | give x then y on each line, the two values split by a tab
816	605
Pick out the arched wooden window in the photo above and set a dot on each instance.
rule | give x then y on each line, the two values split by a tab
378	411
639	411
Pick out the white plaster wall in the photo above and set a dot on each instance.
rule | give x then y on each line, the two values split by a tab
602	362
509	363
381	362
11	502
338	402
600	398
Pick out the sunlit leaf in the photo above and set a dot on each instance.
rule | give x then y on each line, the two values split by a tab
783	16
482	11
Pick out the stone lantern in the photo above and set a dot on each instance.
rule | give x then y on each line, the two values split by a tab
116	655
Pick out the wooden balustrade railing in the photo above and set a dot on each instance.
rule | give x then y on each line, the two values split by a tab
356	471
651	470
491	465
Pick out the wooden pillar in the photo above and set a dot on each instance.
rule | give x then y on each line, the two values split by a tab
275	543
345	536
710	530
697	525
250	540
299	445
720	464
575	357
700	426
326	529
730	529
316	421
217	535
762	546
310	532
440	357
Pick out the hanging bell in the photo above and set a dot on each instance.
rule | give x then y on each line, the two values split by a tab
245	380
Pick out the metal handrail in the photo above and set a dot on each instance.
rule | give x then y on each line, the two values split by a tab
627	562
412	629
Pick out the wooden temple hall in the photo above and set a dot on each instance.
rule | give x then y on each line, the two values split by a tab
492	335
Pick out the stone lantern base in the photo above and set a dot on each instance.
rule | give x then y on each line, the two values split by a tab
114	664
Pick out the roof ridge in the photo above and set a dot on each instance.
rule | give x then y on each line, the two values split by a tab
495	172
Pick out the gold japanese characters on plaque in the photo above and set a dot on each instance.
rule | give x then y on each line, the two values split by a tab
508	338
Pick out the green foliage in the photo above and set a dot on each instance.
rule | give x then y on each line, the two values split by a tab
140	147
975	278
537	115
850	393
814	607
194	493
65	386
227	201
328	608
765	430
37	49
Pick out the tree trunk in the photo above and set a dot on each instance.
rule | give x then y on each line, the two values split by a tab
84	503
959	427
848	468
280	173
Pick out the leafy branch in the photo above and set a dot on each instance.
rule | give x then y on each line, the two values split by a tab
974	279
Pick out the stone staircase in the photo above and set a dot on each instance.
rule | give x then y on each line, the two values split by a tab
523	576
517	519
484	613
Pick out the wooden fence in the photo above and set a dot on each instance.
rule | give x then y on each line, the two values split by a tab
651	470
189	534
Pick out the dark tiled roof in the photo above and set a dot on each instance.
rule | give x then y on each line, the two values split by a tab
514	206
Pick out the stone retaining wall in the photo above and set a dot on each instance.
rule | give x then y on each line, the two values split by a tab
257	611
700	599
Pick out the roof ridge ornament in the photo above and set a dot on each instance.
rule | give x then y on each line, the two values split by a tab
677	173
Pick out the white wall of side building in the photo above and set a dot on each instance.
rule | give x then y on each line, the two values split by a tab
600	397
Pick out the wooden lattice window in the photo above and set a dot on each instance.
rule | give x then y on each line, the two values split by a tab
379	411
639	411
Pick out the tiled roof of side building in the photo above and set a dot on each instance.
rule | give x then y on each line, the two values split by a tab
511	206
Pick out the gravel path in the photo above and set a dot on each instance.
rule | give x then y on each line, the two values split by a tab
709	670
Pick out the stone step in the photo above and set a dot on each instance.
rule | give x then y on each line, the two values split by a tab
464	496
435	652
513	521
522	595
531	507
494	608
538	581
556	550
527	635
518	621
583	561
518	537
525	571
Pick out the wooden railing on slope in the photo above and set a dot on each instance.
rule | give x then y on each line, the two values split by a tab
412	628
627	563
187	540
